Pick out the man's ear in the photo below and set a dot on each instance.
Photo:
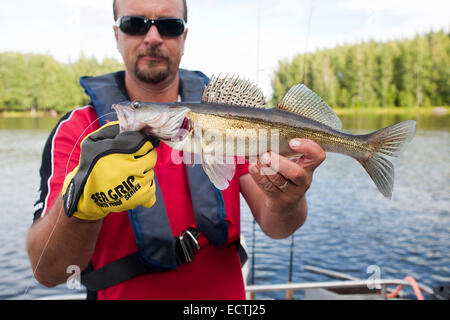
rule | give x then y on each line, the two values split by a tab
116	35
184	39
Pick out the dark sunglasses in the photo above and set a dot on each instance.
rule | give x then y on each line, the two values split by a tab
137	26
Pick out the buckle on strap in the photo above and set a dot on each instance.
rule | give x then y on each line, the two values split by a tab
189	244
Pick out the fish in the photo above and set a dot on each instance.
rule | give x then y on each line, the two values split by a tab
232	120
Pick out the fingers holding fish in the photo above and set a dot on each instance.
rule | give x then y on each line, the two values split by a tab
312	153
300	172
298	179
277	175
281	183
286	180
260	175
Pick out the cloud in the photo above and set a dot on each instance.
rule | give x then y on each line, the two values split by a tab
397	7
93	4
352	21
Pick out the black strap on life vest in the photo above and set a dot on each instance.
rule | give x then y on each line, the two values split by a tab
131	266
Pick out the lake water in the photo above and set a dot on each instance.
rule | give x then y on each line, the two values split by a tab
350	225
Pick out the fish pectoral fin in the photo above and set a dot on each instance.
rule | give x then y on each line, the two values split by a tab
218	167
219	170
306	103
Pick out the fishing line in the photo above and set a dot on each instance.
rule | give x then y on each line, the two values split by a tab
308	31
253	253
291	258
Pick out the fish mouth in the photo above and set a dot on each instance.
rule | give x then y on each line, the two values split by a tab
169	124
123	115
165	122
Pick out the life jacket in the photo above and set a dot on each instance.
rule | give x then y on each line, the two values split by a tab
158	249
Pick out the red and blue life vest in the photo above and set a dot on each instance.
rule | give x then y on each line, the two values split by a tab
158	249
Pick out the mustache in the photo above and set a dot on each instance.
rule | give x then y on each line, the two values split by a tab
153	51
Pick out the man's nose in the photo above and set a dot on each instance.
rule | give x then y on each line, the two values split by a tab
153	37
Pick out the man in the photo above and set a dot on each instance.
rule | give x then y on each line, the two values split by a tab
152	74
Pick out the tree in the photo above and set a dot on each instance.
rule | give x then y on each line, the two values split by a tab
406	72
36	81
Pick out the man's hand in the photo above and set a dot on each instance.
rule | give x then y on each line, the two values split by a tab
275	190
283	181
115	174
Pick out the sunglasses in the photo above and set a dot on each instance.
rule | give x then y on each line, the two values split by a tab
137	26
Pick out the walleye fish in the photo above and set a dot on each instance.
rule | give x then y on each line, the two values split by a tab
232	121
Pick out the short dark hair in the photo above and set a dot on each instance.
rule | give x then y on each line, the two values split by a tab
184	13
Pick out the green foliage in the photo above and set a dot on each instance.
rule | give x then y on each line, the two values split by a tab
402	73
36	81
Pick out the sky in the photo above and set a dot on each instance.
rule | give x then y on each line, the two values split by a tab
223	35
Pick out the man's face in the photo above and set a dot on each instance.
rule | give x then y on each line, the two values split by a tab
150	58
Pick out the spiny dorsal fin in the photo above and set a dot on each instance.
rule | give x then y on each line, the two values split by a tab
302	101
233	91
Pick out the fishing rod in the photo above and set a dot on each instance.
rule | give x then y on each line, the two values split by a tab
308	31
289	293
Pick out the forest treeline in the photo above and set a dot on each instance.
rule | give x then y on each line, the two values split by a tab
40	82
408	72
403	73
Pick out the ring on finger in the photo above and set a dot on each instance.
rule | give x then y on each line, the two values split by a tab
284	185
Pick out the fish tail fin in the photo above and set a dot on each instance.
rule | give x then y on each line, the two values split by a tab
392	140
381	171
389	141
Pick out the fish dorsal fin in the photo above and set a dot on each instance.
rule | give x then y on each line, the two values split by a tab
233	91
306	103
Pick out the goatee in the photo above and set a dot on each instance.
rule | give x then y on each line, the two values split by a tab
155	73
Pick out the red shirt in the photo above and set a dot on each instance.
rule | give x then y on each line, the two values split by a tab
213	274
